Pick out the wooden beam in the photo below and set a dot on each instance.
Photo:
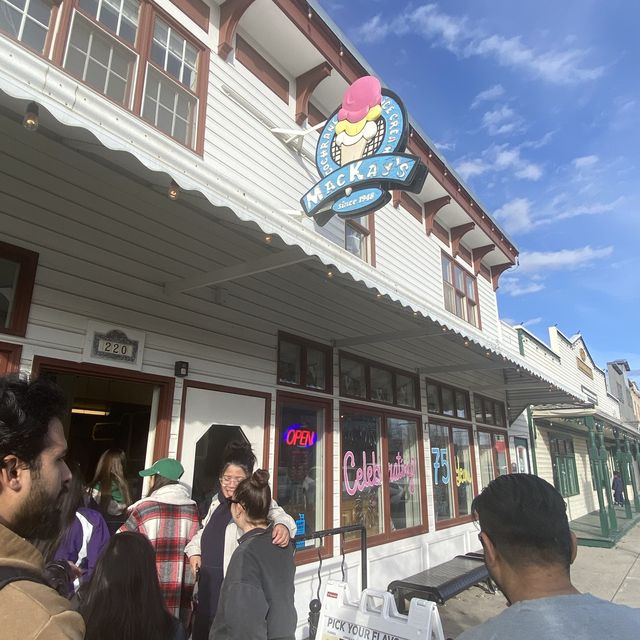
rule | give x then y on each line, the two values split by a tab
468	366
402	199
457	233
230	13
431	209
306	84
388	337
242	270
478	253
497	270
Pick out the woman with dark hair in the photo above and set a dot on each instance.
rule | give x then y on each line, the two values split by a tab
109	487
256	601
169	519
211	548
123	599
83	536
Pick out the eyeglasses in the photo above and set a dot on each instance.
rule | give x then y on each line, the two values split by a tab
231	480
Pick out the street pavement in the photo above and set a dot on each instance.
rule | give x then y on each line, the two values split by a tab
612	574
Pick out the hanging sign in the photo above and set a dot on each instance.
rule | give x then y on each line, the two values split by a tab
375	617
359	155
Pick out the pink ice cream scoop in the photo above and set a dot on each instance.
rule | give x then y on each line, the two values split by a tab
363	94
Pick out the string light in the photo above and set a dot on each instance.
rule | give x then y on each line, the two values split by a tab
173	192
31	119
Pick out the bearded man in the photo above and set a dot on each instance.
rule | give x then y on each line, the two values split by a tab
33	479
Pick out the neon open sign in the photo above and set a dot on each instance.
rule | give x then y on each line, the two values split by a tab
297	436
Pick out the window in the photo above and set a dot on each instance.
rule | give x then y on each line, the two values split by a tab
460	293
447	401
493	456
17	276
361	379
27	21
356	237
381	476
520	456
304	364
563	460
127	51
452	471
489	411
303	443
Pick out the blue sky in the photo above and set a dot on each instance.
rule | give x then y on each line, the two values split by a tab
536	105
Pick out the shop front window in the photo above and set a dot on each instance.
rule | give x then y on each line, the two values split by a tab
447	401
452	472
381	484
520	456
303	364
493	456
301	484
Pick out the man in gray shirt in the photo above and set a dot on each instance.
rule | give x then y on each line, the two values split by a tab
528	550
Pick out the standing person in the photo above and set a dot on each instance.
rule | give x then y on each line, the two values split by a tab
109	487
616	486
256	601
123	599
33	480
210	549
169	519
528	549
83	535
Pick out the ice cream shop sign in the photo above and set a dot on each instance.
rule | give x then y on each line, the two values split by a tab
360	156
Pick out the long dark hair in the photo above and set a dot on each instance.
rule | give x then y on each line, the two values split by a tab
254	494
73	499
110	469
123	600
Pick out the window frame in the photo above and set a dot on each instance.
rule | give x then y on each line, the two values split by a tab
568	462
306	556
497	404
11	354
467	277
494	453
368	364
57	44
456	520
442	415
305	344
28	265
387	535
352	223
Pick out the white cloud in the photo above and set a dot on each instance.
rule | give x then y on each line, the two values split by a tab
445	146
492	93
526	323
515	215
459	36
515	287
536	261
499	158
501	120
584	162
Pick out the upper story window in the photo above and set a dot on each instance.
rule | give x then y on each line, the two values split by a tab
126	50
356	237
460	291
447	401
26	21
302	363
369	381
17	275
489	411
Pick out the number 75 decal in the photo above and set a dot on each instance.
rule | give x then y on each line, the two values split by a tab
441	461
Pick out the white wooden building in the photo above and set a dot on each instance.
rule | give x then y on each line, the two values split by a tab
155	260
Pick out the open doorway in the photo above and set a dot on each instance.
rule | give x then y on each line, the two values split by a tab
113	408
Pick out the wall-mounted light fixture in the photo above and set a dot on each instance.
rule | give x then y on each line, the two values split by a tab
89	412
31	119
181	369
173	192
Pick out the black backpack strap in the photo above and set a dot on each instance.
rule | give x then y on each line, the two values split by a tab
15	574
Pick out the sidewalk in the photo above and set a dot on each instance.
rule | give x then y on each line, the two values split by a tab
612	574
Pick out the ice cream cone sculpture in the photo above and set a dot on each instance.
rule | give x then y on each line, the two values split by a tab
357	119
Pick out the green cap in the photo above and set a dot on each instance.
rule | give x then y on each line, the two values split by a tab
166	467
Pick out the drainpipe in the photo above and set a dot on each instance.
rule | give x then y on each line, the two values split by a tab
532	439
597	475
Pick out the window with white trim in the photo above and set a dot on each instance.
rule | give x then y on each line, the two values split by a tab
26	21
356	237
460	293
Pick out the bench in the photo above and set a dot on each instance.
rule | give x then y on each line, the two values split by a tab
442	582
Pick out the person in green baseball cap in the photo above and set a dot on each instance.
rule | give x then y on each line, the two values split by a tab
169	518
